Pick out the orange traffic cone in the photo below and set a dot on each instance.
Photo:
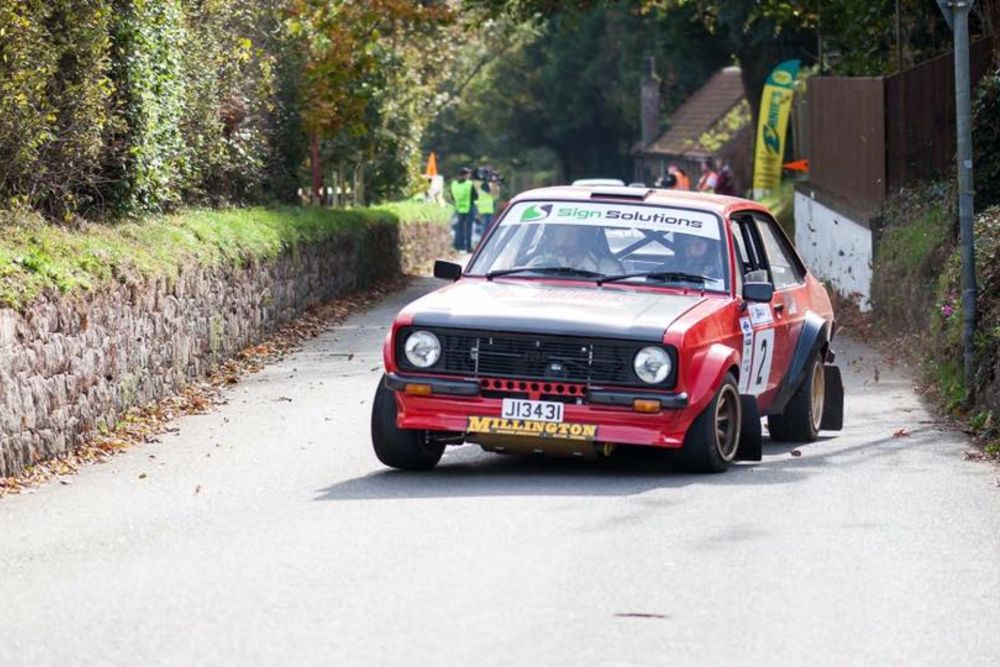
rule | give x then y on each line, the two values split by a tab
432	166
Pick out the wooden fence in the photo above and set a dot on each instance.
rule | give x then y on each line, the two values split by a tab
872	136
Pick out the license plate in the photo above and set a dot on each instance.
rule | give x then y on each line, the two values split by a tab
542	411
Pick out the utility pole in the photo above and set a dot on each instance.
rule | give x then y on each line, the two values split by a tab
956	12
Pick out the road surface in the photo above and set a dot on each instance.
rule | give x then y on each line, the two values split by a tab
299	548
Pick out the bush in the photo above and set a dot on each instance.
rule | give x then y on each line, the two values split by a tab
127	107
54	101
986	141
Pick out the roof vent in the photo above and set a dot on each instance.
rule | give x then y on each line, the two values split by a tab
627	193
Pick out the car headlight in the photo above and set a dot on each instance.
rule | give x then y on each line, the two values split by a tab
422	349
652	364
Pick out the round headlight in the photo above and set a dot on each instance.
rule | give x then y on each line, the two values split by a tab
423	349
652	364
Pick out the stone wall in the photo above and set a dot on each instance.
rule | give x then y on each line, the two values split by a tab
69	364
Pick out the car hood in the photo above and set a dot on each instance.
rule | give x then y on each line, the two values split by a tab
535	307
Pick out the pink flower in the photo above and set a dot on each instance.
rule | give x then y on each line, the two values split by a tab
947	310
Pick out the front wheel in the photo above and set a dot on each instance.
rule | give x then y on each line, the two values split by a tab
801	420
396	447
713	438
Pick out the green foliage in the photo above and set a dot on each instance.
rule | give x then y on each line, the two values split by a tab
412	211
127	107
54	97
569	84
37	257
986	140
147	161
917	292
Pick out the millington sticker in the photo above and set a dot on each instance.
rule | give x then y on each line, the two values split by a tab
501	426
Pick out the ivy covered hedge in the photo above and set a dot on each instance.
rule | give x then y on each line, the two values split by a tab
126	107
37	257
916	297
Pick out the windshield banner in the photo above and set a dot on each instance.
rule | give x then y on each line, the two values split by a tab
695	223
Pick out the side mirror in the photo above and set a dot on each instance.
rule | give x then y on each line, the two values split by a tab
447	270
758	292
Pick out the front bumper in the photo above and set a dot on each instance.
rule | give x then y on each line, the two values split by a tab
452	402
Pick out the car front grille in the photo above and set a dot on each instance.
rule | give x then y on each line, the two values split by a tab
535	357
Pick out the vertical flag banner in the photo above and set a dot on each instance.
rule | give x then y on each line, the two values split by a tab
772	127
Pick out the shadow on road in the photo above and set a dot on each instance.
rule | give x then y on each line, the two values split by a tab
468	472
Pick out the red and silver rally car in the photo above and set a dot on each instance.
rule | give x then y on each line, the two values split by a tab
592	318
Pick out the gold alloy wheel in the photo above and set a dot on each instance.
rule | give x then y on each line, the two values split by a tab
818	394
727	422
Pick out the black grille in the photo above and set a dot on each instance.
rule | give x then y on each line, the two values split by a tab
542	357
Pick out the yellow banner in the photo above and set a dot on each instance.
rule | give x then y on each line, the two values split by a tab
772	127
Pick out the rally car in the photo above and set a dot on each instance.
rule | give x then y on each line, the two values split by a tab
596	318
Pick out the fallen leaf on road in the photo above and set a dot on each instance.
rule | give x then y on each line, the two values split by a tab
901	433
876	373
142	475
282	398
795	452
973	455
65	482
197	489
639	614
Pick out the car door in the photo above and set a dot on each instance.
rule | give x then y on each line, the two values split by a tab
790	300
765	337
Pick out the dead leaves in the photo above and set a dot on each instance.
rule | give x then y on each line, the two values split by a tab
901	433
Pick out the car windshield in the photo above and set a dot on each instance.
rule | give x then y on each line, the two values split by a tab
598	240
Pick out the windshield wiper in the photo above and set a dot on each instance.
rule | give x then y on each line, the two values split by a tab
554	270
666	276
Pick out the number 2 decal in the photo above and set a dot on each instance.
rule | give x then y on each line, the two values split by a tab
763	355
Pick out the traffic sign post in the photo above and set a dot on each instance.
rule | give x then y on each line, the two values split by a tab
956	13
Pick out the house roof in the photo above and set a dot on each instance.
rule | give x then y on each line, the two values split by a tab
707	120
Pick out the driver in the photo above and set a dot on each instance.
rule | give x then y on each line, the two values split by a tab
576	247
697	255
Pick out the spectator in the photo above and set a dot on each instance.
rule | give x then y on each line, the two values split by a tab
709	179
683	182
726	184
464	195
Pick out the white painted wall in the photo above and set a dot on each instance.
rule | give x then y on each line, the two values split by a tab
835	248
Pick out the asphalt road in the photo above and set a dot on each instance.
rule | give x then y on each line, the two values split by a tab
301	549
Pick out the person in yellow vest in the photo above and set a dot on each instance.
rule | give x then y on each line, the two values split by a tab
485	207
464	195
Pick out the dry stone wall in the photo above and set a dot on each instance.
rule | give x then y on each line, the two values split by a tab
70	364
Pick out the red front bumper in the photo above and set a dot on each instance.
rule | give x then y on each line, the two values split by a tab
618	425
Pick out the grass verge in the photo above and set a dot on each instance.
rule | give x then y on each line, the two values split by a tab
36	256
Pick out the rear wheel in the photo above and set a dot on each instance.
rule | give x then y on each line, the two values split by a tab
711	443
396	447
800	422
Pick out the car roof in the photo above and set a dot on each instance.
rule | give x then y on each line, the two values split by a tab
720	204
599	181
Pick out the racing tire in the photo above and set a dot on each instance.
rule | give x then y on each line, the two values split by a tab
713	439
396	447
801	420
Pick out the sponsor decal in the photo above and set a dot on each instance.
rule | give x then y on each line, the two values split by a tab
760	313
535	212
610	215
747	355
529	427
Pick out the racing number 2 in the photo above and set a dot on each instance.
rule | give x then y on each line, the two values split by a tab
763	355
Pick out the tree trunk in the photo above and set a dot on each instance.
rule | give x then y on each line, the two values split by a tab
317	179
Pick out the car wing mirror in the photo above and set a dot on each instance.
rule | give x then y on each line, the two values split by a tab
758	292
447	270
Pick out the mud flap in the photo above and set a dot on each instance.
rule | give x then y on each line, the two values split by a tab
833	400
749	448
